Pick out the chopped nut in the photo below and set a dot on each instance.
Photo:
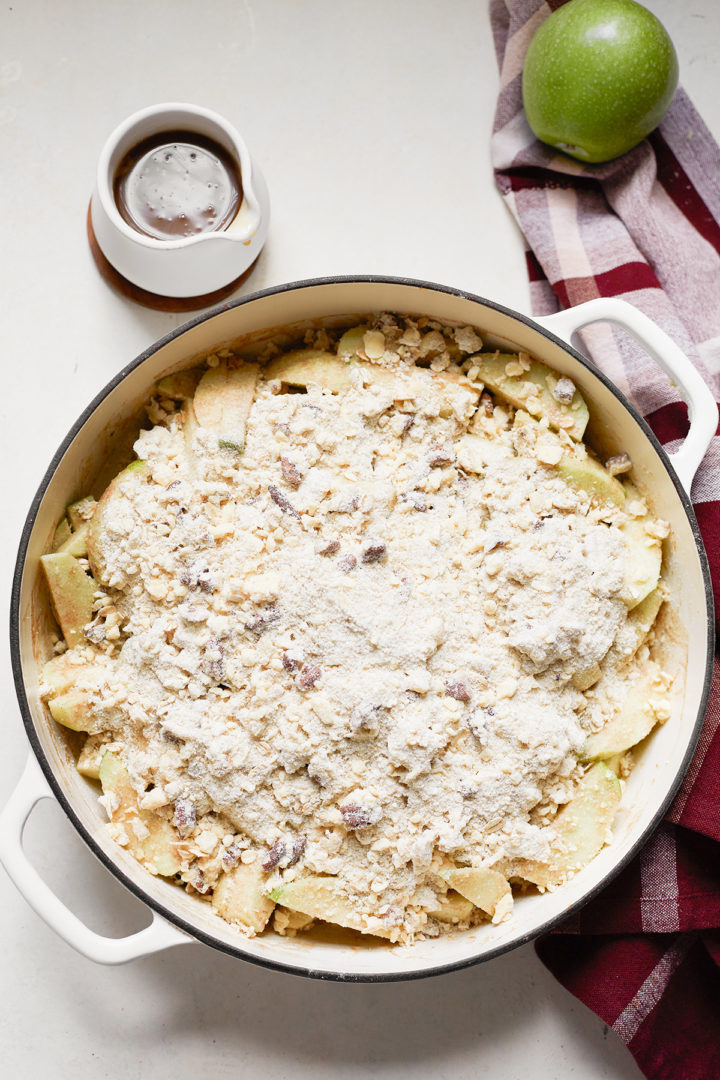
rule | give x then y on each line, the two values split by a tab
297	850
327	547
439	456
308	676
416	500
231	856
457	690
354	816
619	464
263	620
487	403
274	856
347	563
365	719
185	817
290	663
198	882
564	391
374	552
282	501
290	472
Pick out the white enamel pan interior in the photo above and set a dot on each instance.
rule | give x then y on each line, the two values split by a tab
178	917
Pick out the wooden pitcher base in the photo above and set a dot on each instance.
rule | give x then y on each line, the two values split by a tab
155	300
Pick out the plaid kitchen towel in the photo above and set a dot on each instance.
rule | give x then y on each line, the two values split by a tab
645	955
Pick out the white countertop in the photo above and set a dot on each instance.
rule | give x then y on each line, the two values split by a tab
371	120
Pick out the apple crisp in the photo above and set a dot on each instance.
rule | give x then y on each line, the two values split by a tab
364	635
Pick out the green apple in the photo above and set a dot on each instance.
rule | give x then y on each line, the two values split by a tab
599	76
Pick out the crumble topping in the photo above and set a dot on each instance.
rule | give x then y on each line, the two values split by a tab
361	646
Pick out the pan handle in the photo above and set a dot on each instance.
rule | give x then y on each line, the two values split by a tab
702	407
31	789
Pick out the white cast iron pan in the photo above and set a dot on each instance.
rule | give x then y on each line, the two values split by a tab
106	423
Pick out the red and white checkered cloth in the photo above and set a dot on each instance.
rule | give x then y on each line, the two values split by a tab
645	955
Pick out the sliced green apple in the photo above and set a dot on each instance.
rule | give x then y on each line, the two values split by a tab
60	673
71	592
76	543
643	561
532	391
452	908
586	677
482	886
181	385
632	722
154	842
323	898
582	827
590	476
223	400
311	367
72	710
80	512
89	758
240	896
62	533
640	622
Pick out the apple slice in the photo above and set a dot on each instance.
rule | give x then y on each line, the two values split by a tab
323	898
72	710
60	673
62	533
586	677
453	908
152	839
643	561
136	473
181	385
223	400
76	542
639	623
240	897
311	367
89	758
633	721
481	885
71	593
589	475
80	512
582	827
532	391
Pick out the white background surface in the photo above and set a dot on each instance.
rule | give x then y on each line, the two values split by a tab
371	120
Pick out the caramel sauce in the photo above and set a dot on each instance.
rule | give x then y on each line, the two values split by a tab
177	184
